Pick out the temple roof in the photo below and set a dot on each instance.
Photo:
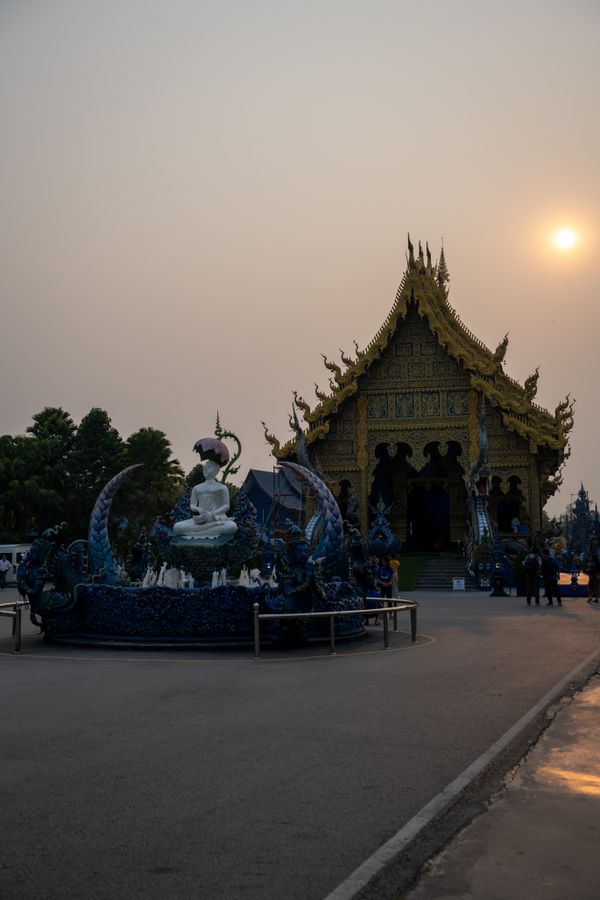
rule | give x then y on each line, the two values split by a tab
277	486
425	286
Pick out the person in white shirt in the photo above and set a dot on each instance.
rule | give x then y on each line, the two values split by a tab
5	567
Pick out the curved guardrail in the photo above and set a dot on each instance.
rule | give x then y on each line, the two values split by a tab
13	611
402	606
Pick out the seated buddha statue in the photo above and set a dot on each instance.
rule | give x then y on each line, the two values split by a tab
209	503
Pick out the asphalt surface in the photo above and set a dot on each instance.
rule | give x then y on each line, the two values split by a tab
207	774
539	837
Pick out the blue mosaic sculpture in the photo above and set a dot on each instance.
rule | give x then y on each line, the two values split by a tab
381	541
101	559
331	535
85	599
49	561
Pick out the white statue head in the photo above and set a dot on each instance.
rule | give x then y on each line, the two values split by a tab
210	469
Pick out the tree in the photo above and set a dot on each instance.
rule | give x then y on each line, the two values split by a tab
53	423
55	472
14	505
52	436
98	453
154	489
34	474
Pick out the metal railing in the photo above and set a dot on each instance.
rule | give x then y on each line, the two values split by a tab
384	611
13	611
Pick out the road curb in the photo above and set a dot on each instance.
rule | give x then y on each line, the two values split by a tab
357	883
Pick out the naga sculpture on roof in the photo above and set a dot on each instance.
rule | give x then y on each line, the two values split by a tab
272	440
531	385
320	395
500	351
303	405
338	375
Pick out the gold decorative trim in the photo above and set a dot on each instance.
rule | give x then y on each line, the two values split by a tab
473	402
362	434
422	289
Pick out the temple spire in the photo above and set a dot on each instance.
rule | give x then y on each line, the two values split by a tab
442	270
411	254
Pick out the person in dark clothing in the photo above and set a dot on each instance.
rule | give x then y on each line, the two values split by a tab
593	570
550	573
385	575
532	566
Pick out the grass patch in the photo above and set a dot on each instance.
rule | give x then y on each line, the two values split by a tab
409	571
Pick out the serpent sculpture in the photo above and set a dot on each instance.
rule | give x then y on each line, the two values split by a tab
101	559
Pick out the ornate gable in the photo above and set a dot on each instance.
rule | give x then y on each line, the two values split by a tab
424	345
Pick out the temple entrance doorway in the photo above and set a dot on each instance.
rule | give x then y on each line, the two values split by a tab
428	516
428	507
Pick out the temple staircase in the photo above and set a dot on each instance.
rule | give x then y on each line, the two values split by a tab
438	572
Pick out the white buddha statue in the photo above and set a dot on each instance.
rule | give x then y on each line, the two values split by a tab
209	502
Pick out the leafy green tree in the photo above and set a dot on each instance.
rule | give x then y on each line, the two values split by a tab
97	454
52	437
14	507
47	456
55	472
54	424
34	474
155	488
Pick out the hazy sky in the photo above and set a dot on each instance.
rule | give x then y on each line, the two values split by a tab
198	198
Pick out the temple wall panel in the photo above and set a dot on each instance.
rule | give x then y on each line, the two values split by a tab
415	394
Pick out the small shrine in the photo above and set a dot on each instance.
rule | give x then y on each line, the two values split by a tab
426	421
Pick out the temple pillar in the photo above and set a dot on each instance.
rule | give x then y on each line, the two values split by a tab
473	450
535	503
362	458
458	509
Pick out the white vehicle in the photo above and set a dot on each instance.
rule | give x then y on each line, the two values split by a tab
14	553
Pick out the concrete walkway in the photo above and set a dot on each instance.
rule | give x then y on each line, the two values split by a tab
539	838
207	775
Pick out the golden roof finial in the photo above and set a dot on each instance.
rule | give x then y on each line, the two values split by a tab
428	254
272	440
530	385
333	367
302	404
500	351
411	254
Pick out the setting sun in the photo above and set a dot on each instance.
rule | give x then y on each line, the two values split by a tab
565	239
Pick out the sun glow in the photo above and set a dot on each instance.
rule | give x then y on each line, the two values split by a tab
565	239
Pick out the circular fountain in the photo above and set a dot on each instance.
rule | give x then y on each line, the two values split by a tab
79	592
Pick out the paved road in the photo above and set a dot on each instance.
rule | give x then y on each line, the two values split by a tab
211	775
539	838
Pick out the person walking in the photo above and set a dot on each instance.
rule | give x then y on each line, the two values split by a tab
532	565
395	565
383	579
550	573
593	570
5	568
385	576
